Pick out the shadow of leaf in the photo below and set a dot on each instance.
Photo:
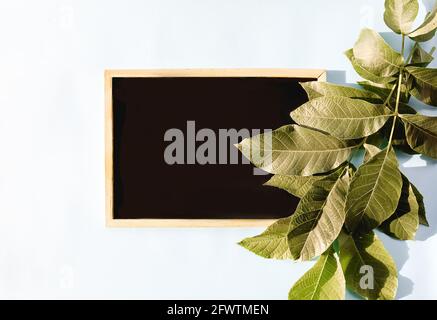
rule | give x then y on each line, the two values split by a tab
336	76
405	287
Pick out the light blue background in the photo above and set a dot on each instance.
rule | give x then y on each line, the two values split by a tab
53	242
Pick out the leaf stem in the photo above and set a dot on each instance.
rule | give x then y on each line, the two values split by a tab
398	95
398	98
389	96
410	56
403	46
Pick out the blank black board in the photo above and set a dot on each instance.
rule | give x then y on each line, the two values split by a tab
143	108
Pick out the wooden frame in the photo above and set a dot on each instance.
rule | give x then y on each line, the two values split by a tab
109	74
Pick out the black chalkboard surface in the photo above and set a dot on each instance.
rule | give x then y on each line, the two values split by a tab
147	184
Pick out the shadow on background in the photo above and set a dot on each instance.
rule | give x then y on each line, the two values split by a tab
336	76
424	177
399	251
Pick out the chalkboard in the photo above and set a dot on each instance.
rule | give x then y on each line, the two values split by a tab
158	173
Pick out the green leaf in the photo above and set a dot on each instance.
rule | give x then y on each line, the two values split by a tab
399	15
361	254
372	145
272	243
342	117
300	185
425	84
376	56
383	90
399	137
324	281
351	170
422	212
420	57
421	132
374	192
318	219
316	89
364	71
426	30
404	223
370	151
294	150
295	185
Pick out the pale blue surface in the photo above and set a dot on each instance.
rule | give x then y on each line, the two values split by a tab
53	53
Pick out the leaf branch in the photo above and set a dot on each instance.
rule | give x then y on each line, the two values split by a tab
398	96
310	160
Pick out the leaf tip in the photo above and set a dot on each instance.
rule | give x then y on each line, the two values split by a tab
268	183
242	243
